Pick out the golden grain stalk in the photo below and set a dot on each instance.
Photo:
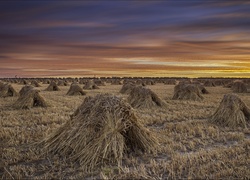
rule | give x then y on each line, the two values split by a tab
232	112
35	83
127	88
101	130
75	89
116	82
209	83
25	89
29	97
62	83
1	84
46	81
52	87
202	89
239	87
6	90
99	82
141	97
23	82
90	85
187	92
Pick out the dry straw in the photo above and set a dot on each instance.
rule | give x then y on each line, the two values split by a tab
6	90
170	82
75	89
141	97
25	89
90	85
99	82
101	130
62	83
209	83
232	112
116	82
149	82
23	82
239	87
127	88
228	84
35	83
1	84
52	87
46	81
187	92
203	90
29	97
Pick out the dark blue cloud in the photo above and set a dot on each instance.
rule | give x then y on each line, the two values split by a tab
109	20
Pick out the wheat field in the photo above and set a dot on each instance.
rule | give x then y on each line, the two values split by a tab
190	147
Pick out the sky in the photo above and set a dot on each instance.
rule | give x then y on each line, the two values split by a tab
171	38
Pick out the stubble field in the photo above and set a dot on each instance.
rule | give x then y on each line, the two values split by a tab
190	146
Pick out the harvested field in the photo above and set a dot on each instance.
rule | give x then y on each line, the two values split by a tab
190	146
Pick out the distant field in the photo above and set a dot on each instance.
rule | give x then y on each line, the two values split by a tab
190	146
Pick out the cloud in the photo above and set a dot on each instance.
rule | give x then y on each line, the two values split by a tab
3	57
225	3
57	24
214	24
152	36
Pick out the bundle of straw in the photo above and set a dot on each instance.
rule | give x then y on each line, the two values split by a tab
6	90
141	97
75	89
232	112
239	87
187	92
52	87
101	130
127	88
90	85
29	97
25	89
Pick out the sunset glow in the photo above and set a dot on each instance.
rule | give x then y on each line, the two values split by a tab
125	38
